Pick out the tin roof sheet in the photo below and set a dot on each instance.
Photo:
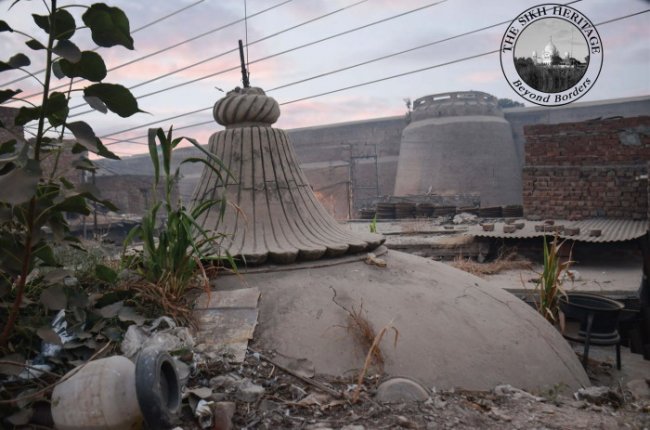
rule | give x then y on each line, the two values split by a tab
612	230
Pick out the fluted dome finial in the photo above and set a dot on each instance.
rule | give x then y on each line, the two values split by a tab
246	107
274	215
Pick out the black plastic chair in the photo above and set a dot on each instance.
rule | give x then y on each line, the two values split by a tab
598	318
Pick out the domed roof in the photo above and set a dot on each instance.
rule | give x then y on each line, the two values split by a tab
550	48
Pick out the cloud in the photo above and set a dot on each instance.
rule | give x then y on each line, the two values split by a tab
483	76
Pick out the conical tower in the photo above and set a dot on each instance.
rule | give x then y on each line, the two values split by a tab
272	213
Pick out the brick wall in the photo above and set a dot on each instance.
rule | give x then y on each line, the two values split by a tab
587	169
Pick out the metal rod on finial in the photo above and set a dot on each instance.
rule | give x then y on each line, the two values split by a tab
244	72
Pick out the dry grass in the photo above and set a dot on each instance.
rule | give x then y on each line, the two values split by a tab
364	333
506	261
359	326
374	348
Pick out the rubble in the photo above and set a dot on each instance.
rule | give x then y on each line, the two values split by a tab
257	394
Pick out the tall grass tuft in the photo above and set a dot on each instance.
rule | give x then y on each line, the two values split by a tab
550	288
171	258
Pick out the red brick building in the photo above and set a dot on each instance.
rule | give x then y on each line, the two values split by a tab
590	169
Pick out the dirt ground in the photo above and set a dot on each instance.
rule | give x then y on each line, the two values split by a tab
286	402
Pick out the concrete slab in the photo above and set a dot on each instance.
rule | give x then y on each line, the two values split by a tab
455	330
226	322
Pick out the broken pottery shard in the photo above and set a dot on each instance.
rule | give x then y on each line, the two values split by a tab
274	215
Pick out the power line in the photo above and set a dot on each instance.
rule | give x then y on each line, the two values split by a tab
293	27
175	45
142	27
394	54
205	60
471	57
295	48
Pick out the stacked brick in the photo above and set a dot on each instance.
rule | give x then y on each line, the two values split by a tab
587	169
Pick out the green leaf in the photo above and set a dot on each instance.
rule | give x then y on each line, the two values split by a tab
153	153
57	108
84	164
116	98
89	66
45	254
8	147
86	137
64	23
109	26
19	60
8	94
67	50
74	204
19	185
35	45
15	62
96	103
54	298
48	335
27	114
5	27
106	274
56	69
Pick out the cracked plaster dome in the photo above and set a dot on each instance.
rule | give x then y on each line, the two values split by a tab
455	330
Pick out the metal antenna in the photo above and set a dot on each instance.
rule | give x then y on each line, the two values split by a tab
244	72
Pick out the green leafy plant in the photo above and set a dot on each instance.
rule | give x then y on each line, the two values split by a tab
173	250
373	225
549	289
34	195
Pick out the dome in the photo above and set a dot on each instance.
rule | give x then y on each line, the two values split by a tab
550	48
454	329
273	214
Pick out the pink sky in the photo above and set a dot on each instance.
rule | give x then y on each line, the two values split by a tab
625	73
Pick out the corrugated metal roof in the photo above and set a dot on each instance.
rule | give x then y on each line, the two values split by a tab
612	230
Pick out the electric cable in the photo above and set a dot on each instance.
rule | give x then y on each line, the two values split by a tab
154	53
352	30
467	58
142	27
205	60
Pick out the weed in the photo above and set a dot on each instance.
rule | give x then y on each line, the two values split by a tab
170	261
363	331
372	353
373	224
550	288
